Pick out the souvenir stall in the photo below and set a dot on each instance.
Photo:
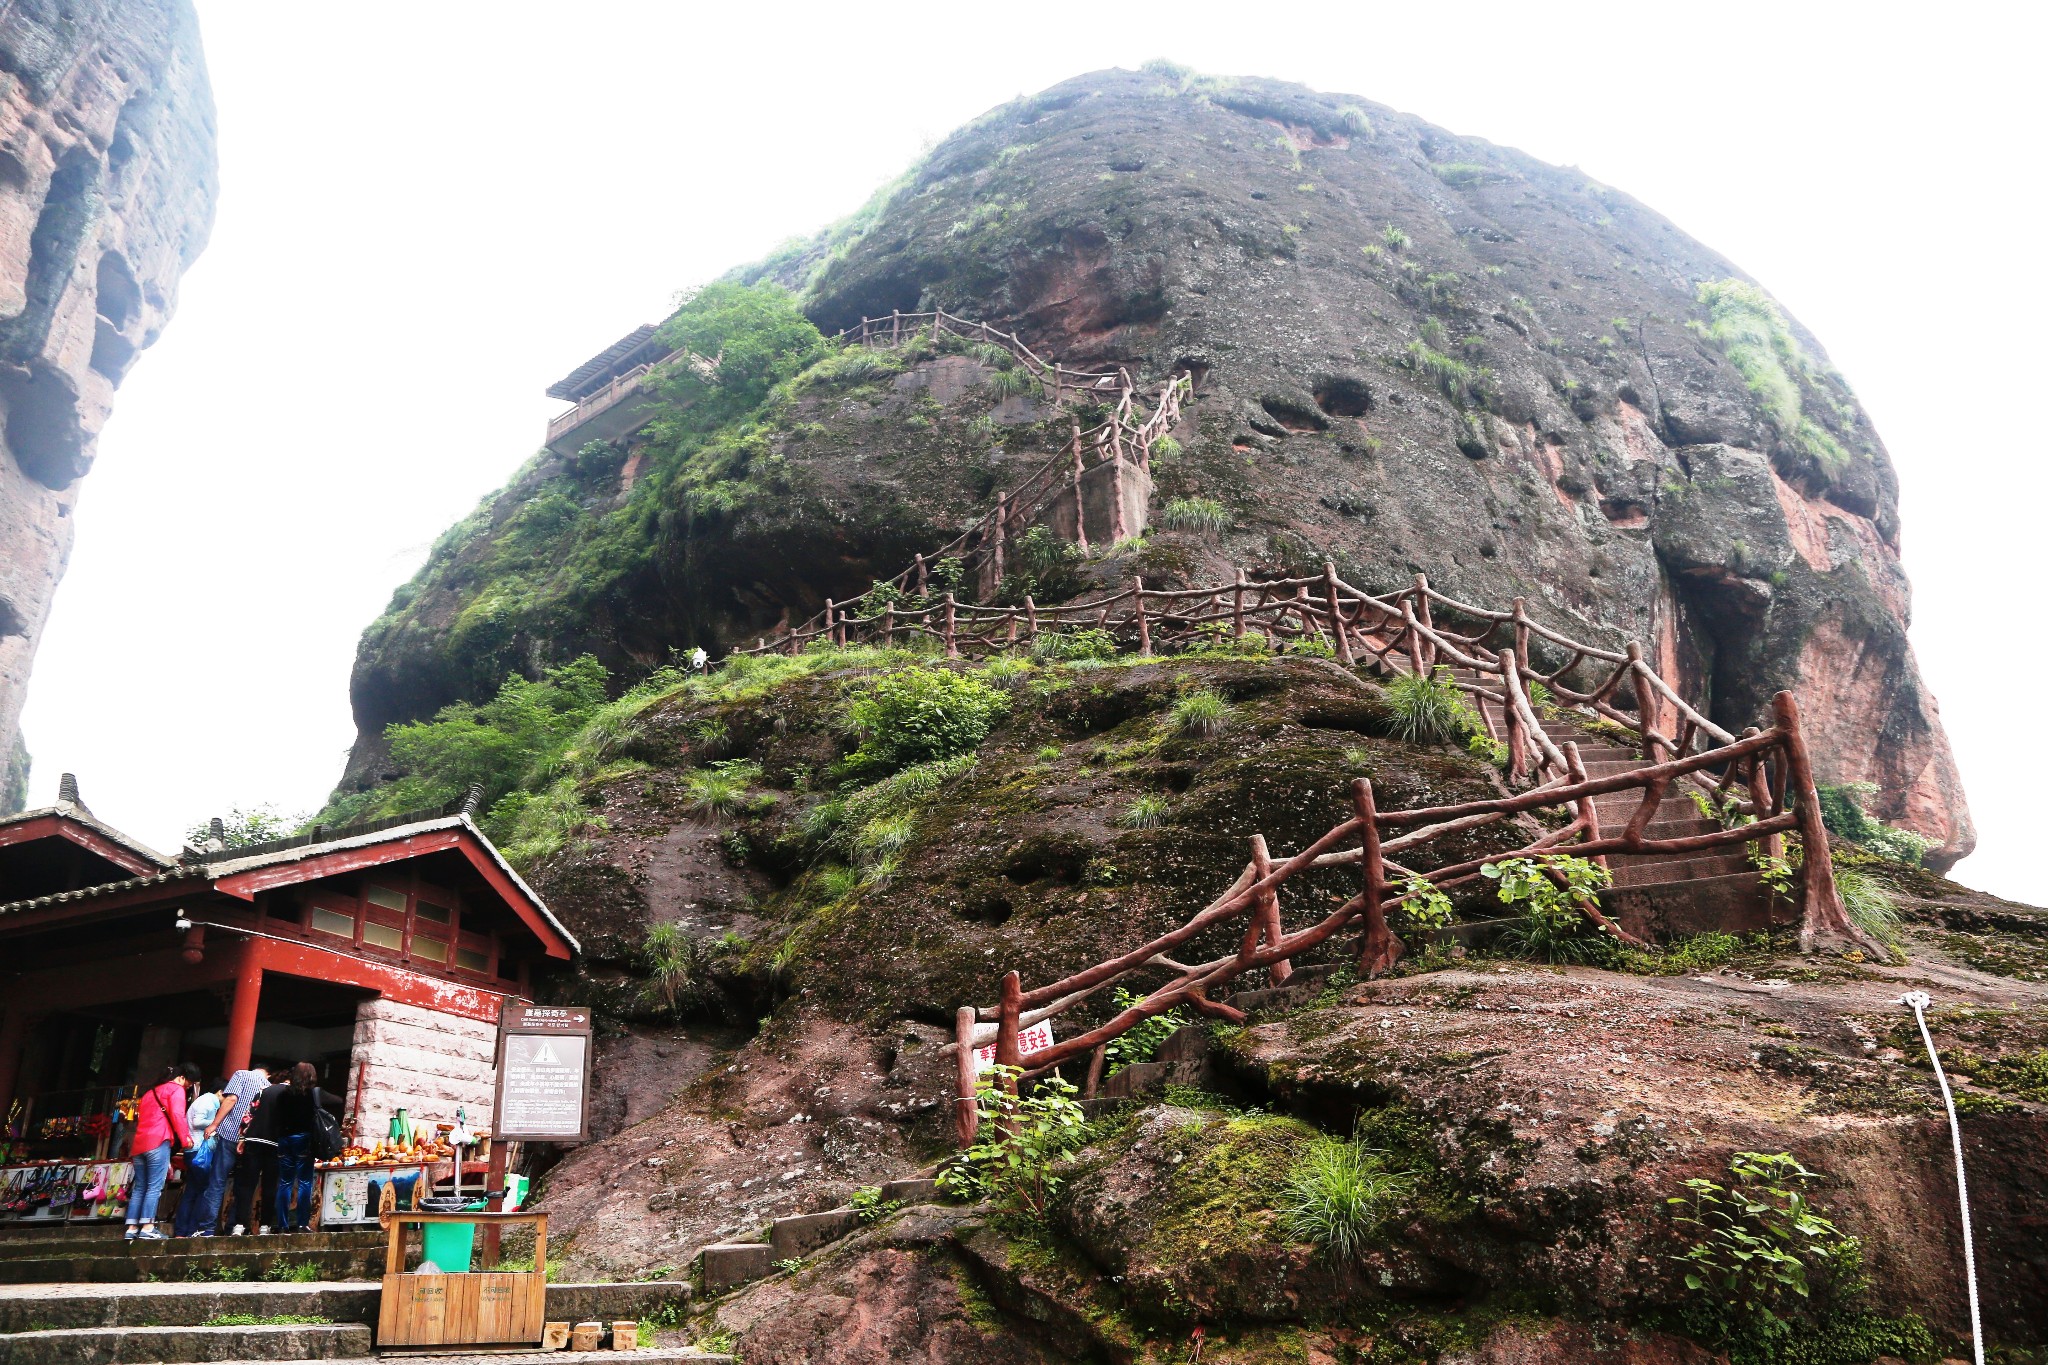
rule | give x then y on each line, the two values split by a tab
417	1162
383	955
59	1167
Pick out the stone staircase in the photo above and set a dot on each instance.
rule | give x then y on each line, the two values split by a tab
1661	895
727	1265
82	1296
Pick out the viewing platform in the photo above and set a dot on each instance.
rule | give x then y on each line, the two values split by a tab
610	391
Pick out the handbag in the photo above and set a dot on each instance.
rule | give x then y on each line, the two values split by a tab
201	1158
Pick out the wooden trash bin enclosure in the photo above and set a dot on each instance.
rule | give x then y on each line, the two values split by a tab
482	1308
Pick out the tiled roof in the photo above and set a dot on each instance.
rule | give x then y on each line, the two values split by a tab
81	816
594	373
211	866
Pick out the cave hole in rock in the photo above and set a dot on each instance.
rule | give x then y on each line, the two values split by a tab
994	911
118	297
1042	858
11	622
1197	370
68	211
1292	414
1340	395
1176	778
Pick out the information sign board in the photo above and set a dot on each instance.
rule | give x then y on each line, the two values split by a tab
543	1074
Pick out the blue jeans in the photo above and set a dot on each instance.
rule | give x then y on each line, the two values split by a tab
199	1210
151	1169
294	1184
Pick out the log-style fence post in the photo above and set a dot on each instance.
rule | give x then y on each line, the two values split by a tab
895	326
1646	704
1518	734
1031	617
1091	1084
1337	615
1119	528
1269	911
1378	948
1138	606
831	625
1522	636
952	644
888	625
1080	509
1823	920
1237	608
1589	814
1760	798
1008	1053
1428	621
921	587
1413	629
1002	535
966	1119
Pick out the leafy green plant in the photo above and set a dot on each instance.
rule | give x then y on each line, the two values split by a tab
1012	383
1165	448
1141	1041
1453	378
1870	906
266	1320
1423	906
1430	709
1201	713
1842	811
1147	812
789	1265
1753	334
1215	638
1494	751
1336	1194
1761	1245
869	1206
1195	514
1067	646
916	715
1023	1139
1553	888
1353	120
1699	953
1393	238
292	1272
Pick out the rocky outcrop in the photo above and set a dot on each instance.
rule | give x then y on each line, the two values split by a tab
107	186
1414	352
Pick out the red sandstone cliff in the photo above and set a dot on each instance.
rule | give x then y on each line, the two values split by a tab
107	185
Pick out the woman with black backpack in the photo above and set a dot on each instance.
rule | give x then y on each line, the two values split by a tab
303	1123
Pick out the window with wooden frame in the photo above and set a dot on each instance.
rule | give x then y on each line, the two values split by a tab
396	913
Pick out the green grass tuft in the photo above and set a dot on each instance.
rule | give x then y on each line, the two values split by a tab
1202	714
1336	1195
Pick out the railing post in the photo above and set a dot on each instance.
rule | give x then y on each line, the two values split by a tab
1575	769
920	576
1646	704
831	628
965	1118
1119	529
895	325
1522	635
1031	617
1518	735
1823	920
1269	911
888	625
1378	948
1760	798
1008	1053
1080	511
1337	615
1414	631
1237	608
1422	614
952	644
1002	532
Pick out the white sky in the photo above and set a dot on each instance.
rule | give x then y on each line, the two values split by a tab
430	212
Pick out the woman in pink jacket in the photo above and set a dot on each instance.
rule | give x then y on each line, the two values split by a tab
159	1121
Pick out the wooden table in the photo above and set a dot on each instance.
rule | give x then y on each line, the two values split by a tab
481	1308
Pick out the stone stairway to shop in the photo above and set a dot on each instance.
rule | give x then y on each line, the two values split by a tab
1660	895
81	1296
727	1265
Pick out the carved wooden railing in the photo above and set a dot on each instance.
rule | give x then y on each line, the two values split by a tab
1762	779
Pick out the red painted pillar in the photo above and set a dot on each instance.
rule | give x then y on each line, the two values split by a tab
13	1038
242	1014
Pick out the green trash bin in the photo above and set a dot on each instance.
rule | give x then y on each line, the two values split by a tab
448	1245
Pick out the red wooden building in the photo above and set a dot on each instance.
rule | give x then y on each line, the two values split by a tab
380	953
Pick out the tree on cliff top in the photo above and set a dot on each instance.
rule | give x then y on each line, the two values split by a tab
745	339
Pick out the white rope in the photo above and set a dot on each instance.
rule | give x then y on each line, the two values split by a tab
1918	1001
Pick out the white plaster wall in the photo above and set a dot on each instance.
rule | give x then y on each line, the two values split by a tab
423	1061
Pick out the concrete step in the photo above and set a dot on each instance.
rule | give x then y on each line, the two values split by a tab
58	1243
1672	871
241	1259
1733	903
723	1265
916	1190
126	1345
803	1233
23	1307
656	1355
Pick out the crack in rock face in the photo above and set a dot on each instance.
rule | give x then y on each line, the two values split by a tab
107	186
